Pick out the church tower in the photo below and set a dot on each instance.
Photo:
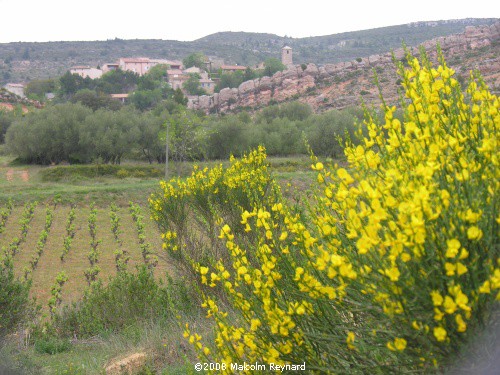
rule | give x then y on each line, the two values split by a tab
286	56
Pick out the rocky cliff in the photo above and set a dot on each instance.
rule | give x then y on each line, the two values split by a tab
345	84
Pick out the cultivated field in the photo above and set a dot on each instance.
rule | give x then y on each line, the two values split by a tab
22	186
76	260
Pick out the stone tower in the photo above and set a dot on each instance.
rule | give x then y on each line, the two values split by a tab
286	56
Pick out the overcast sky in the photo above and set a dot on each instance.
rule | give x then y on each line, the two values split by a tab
57	20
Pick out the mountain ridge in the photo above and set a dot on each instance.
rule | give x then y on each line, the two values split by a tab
24	61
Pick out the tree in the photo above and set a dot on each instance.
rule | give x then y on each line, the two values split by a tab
146	99
192	85
158	72
110	135
49	136
249	74
273	65
117	81
230	80
95	101
226	137
179	97
37	88
69	84
197	59
184	136
149	141
6	119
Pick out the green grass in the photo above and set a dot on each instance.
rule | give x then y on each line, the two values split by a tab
161	341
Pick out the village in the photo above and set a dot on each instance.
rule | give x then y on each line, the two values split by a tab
176	73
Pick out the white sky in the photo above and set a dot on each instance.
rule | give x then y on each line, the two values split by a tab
57	20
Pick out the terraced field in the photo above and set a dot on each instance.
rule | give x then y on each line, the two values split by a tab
37	253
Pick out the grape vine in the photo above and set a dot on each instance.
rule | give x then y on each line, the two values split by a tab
121	255
70	232
56	289
150	259
93	255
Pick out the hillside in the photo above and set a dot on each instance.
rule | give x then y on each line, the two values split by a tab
344	84
21	62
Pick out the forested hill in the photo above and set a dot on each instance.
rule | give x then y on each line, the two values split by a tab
22	61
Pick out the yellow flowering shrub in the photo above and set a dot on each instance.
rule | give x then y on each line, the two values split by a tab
190	211
394	263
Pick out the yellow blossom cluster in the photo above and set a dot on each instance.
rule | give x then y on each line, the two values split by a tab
393	263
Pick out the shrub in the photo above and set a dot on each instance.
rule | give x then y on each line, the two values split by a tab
59	173
188	211
51	345
15	306
122	173
395	264
126	300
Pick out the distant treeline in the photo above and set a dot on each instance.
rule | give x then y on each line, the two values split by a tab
73	133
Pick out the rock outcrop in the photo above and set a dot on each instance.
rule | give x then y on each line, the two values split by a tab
343	84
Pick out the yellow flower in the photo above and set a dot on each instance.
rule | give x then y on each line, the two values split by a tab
450	269
398	344
452	248
461	269
283	236
437	299
462	326
393	273
462	300
440	333
449	305
318	166
351	336
485	288
344	176
474	233
254	324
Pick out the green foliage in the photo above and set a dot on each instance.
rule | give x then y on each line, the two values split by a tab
95	100
146	99
272	65
127	299
76	172
69	84
6	120
192	85
184	136
117	82
229	80
158	72
72	132
50	135
281	129
149	140
15	305
37	88
48	344
197	59
326	132
179	97
109	135
225	137
294	111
